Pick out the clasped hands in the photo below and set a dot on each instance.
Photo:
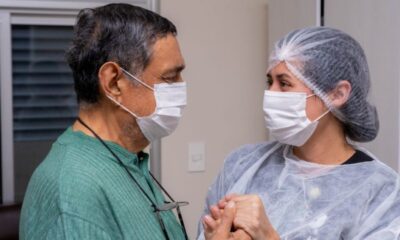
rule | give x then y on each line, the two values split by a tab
238	217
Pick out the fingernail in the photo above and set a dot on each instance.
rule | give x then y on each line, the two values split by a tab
204	223
207	218
231	204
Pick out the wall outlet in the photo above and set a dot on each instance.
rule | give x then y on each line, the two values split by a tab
196	157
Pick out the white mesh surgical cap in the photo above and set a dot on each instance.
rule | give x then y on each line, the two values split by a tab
321	57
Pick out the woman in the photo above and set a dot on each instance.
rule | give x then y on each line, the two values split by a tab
314	181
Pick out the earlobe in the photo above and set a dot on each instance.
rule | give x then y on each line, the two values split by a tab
109	75
341	93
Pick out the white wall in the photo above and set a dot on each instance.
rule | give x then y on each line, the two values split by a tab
375	24
287	15
225	46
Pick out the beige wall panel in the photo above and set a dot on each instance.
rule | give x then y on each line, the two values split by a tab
225	46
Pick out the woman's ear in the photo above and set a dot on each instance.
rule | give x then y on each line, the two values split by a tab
340	94
109	75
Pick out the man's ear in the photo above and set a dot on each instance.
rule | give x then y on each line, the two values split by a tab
109	75
340	94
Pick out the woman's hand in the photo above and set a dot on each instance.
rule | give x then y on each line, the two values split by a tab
218	226
250	216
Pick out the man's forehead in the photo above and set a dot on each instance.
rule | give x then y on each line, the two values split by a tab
166	53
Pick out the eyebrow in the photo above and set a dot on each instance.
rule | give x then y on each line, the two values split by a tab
283	75
176	69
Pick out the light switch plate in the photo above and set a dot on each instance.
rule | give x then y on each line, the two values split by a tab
196	157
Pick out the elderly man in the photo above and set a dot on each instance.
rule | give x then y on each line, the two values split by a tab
95	183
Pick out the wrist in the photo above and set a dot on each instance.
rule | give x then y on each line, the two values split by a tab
271	234
274	236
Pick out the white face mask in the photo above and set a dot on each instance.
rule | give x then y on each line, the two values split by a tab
170	101
286	119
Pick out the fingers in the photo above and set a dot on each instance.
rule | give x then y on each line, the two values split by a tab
244	202
219	229
215	212
209	226
228	217
230	196
251	217
222	203
209	223
247	223
240	235
241	198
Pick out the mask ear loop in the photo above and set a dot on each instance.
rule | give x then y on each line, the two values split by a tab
122	106
137	79
323	115
347	97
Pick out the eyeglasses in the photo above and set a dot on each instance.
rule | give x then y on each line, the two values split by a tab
167	206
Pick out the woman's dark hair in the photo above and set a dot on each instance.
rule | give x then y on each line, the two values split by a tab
116	32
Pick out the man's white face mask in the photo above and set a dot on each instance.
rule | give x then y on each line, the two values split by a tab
170	102
286	118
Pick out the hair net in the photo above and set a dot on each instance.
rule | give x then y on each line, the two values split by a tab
321	57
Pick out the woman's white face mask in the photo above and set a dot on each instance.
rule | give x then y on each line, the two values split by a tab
286	118
170	102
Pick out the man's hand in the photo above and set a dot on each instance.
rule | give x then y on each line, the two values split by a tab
218	226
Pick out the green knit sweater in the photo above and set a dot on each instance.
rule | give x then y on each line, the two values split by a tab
80	191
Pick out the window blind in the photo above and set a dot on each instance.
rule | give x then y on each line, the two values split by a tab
44	101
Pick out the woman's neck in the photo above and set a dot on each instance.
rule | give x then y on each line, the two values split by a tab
328	144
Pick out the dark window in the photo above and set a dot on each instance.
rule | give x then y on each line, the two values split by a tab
44	102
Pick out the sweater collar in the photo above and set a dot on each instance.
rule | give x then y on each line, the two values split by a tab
129	159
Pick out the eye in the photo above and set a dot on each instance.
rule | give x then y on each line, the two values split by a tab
167	80
283	83
171	78
269	82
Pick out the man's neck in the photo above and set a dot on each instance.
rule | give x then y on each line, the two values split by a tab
328	145
110	127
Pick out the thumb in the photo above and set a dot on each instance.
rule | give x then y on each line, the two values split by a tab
227	217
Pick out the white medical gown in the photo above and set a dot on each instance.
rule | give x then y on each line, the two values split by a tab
307	201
